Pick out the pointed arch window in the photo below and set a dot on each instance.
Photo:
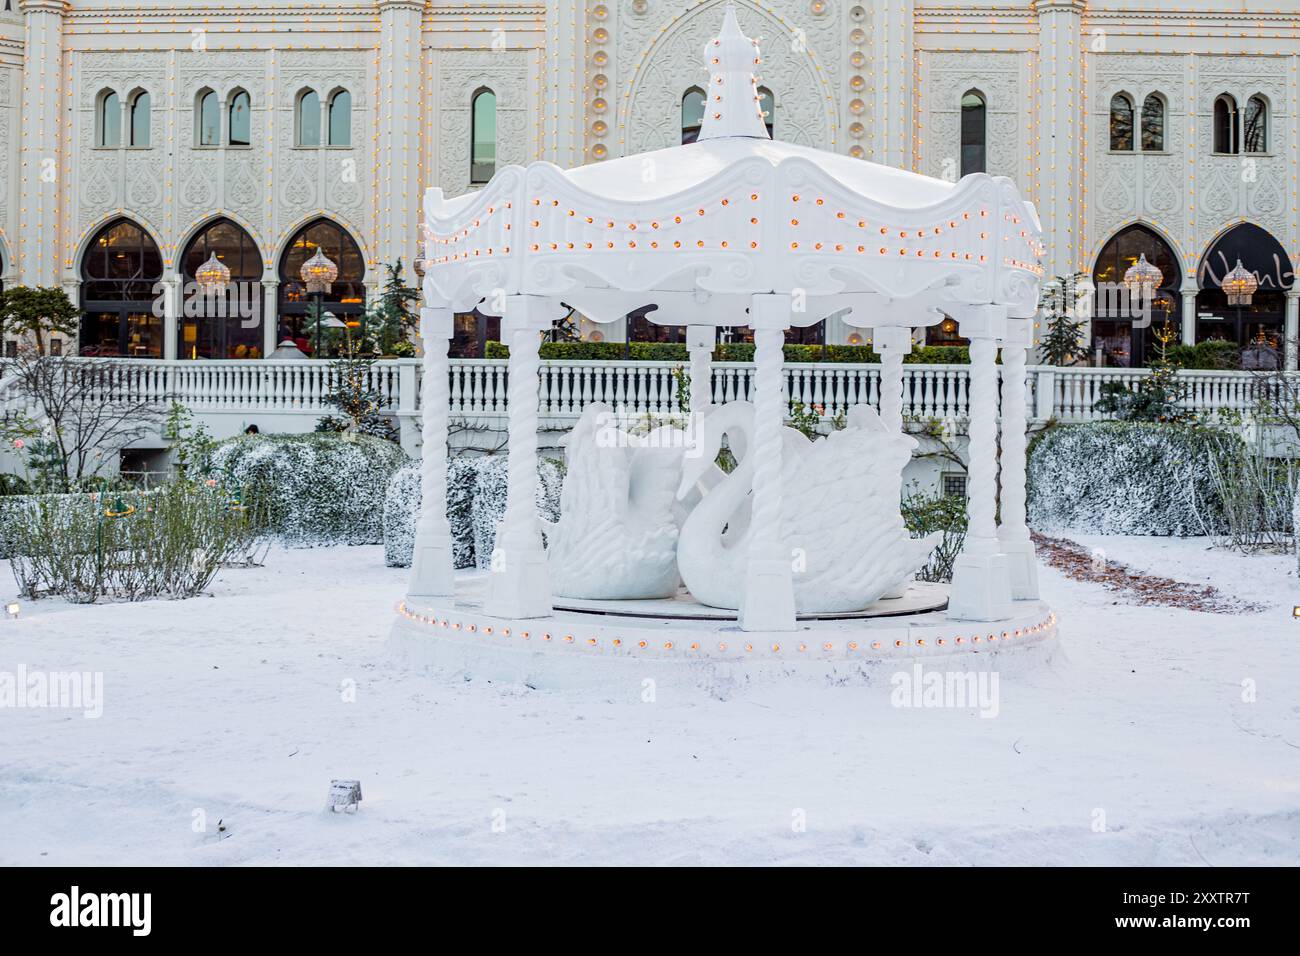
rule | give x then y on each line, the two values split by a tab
207	119
1255	132
141	107
1226	139
109	119
119	271
1121	123
692	114
767	103
308	121
241	119
974	133
483	136
346	298
225	324
1153	123
341	118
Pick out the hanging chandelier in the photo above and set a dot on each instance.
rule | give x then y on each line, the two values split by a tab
319	272
1142	279
1240	284
213	274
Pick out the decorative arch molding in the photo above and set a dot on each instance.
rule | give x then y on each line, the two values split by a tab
1267	249
89	233
171	254
1162	233
807	105
289	233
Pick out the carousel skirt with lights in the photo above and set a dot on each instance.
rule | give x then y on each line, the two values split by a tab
599	644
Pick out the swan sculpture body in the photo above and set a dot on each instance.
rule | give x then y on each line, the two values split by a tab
617	534
839	515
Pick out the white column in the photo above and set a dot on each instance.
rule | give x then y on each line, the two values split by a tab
892	342
270	315
1013	532
398	142
520	584
1060	110
1188	332
1291	331
433	568
40	176
768	600
699	344
981	586
173	288
890	121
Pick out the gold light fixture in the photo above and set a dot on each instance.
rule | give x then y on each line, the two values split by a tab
319	272
1240	284
213	274
1142	279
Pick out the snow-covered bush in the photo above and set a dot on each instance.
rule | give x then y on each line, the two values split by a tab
476	499
318	489
1125	478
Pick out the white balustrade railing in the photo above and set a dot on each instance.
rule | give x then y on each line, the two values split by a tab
478	387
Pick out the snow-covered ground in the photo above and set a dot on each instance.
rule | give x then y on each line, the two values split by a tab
1133	747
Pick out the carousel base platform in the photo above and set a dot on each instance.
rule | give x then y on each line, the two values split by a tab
605	644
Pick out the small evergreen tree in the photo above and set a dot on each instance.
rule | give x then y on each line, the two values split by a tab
1062	341
393	320
1158	397
36	312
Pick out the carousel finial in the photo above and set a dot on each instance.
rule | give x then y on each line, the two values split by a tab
733	106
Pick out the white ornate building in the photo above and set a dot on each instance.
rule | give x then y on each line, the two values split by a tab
128	129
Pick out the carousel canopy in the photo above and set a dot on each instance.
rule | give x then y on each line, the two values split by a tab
696	230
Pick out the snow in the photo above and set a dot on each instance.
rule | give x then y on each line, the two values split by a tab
236	705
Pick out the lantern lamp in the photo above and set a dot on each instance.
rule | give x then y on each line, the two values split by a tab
319	272
1240	285
1142	279
213	274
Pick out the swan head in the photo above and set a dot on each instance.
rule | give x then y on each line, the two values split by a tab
706	433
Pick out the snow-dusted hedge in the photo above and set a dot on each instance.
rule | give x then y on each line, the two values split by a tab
476	501
1125	478
318	489
11	507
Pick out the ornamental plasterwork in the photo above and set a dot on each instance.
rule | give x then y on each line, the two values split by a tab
1000	78
461	73
659	68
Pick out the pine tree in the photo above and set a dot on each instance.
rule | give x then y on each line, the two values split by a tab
392	322
1062	342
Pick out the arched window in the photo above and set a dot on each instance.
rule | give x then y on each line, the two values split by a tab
241	119
1153	123
308	120
207	119
1256	326
1255	133
767	103
1121	340
692	114
119	270
347	296
1225	125
974	120
483	136
140	119
1121	123
109	119
341	118
227	323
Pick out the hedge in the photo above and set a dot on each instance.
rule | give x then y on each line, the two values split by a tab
730	352
1206	355
1125	478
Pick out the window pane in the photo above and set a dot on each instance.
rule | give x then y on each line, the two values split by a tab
692	114
309	119
767	103
209	120
1225	122
140	120
1153	123
341	119
483	157
1121	124
1256	133
241	120
110	121
973	134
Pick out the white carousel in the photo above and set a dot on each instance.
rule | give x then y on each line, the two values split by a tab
799	553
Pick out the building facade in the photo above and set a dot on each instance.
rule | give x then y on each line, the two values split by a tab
139	142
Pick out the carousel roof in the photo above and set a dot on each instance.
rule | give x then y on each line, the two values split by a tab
730	215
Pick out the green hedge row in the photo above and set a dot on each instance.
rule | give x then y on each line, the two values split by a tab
1206	355
729	352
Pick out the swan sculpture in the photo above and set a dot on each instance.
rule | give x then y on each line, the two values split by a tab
617	534
839	515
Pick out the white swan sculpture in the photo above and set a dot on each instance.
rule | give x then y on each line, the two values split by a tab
617	534
840	515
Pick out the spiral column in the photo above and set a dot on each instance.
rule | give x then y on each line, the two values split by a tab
1013	532
768	601
432	563
520	584
893	342
981	589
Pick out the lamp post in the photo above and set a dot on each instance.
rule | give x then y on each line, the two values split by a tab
318	274
1240	285
1141	279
